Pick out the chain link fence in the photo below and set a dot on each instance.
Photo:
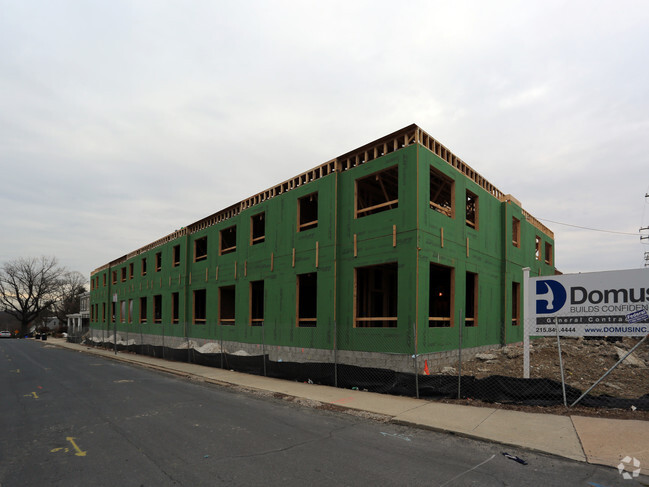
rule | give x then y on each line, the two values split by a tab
389	360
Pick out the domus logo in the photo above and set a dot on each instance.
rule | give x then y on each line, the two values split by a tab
550	296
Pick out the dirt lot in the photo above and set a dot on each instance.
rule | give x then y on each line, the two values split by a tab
584	361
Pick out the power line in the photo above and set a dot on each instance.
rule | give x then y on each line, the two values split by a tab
588	228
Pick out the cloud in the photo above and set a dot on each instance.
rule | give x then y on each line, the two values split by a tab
122	122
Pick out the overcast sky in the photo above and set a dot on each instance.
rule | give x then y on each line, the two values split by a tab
123	121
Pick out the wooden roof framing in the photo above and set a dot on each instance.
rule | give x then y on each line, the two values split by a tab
404	137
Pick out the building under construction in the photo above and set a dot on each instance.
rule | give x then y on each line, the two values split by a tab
393	249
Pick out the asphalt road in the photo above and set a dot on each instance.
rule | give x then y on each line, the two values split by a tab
73	419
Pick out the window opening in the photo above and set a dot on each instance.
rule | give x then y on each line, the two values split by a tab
174	307
307	299
130	270
200	249
176	255
122	312
442	190
471	300
157	308
144	266
226	305
228	240
516	232
199	305
471	210
307	212
103	312
113	311
158	261
114	277
440	296
142	310
516	298
376	296
537	247
257	303
104	276
130	311
123	274
257	228
377	192
548	253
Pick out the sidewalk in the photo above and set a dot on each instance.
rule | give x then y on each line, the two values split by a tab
593	440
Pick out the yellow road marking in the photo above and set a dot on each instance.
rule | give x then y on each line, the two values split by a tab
33	394
79	453
17	371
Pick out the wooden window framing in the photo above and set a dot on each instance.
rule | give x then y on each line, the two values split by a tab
228	240
130	270
377	192
104	276
200	249
537	247
158	261
227	305
548	253
199	306
143	310
143	266
103	311
122	311
157	308
441	296
256	303
472	210
442	193
175	307
471	300
516	303
130	311
114	277
516	232
376	296
307	212
306	300
122	272
258	228
176	256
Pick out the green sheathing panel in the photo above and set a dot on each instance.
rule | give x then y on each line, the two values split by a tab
490	254
247	264
374	245
328	250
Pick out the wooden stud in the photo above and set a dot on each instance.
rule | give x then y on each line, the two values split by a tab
245	268
355	246
216	274
190	278
394	235
467	246
179	278
293	256
235	269
317	252
441	236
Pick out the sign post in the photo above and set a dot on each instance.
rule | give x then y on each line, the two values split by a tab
610	303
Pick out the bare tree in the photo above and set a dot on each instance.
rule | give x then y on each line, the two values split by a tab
30	287
71	286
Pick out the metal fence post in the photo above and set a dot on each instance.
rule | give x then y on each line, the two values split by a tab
414	334
459	361
563	379
335	354
263	346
